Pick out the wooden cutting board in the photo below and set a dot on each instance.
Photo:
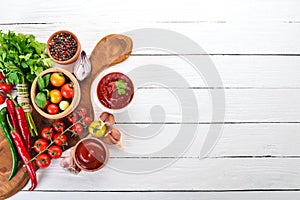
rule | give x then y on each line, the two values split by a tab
109	51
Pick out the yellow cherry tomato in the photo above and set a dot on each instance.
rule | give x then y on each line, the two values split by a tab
57	79
55	96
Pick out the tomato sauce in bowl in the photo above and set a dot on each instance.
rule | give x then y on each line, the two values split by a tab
115	90
90	154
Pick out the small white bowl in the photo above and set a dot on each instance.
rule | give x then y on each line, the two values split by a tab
94	95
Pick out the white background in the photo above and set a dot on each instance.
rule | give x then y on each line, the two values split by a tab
255	46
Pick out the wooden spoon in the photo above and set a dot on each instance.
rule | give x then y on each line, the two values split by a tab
109	51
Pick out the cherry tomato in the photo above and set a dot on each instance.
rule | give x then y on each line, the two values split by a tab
55	96
67	90
43	161
57	79
86	121
47	133
2	77
52	109
72	118
60	140
40	145
2	99
63	105
82	112
55	151
6	87
47	104
77	129
59	126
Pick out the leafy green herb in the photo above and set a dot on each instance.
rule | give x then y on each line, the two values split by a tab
41	99
47	92
43	82
121	87
13	78
46	79
22	58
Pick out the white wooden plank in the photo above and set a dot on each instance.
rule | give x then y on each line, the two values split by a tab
279	195
235	71
251	105
118	11
207	174
235	140
213	38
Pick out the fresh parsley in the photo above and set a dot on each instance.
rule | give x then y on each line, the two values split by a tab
22	58
121	87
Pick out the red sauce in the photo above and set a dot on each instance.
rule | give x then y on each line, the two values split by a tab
90	154
110	95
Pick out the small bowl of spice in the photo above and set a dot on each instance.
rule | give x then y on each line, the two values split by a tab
63	47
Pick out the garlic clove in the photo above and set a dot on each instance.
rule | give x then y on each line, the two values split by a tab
103	116
108	139
115	133
107	118
113	137
67	162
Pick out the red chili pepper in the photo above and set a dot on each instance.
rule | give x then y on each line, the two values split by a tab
12	113
23	154
22	122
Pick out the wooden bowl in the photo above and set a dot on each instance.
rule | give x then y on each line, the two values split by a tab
75	100
96	161
71	60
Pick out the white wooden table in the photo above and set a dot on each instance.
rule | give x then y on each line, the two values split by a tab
255	47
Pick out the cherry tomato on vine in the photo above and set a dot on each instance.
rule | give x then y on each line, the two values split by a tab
43	161
86	121
40	145
59	126
52	109
47	133
72	118
60	140
82	112
77	129
57	79
55	151
67	90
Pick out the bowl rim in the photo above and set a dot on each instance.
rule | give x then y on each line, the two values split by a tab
71	107
76	55
101	143
94	94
